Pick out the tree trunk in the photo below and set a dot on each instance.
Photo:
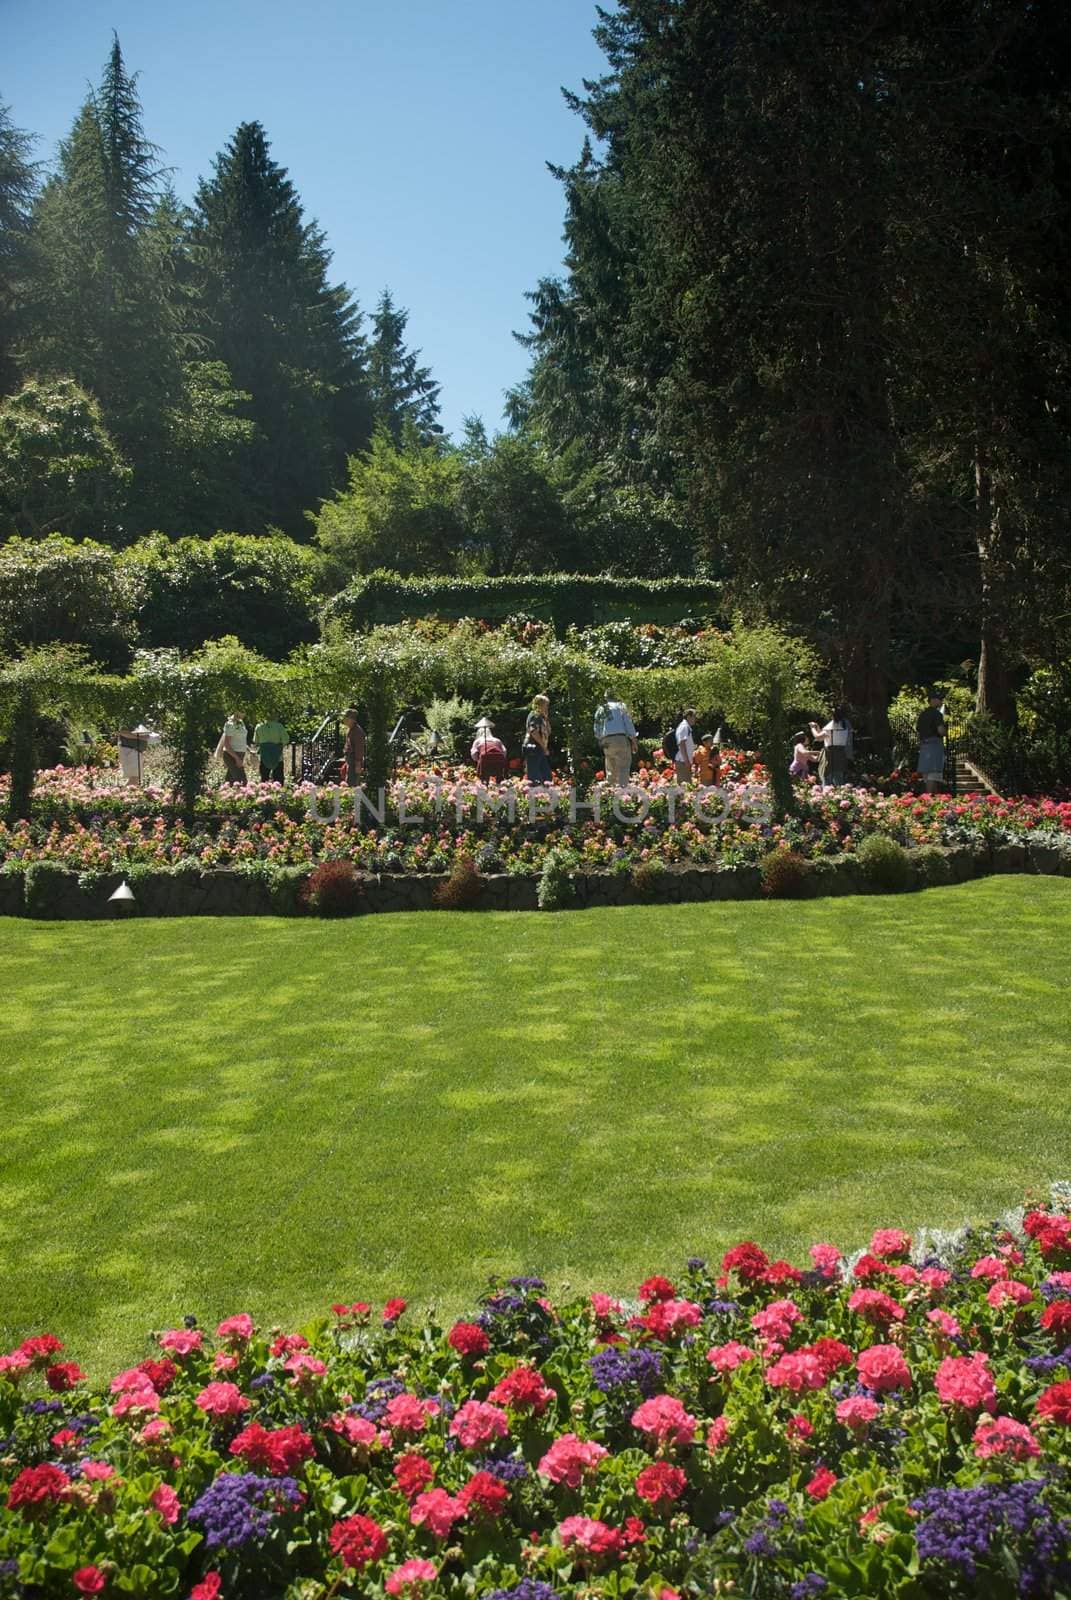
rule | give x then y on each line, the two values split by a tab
865	684
994	695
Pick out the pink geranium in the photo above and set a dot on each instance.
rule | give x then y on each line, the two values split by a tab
857	1412
222	1400
826	1258
303	1368
1005	1437
595	1538
477	1424
776	1320
992	1268
889	1243
437	1511
238	1329
799	1370
945	1323
665	1420
725	1358
408	1578
875	1307
966	1381
882	1368
1008	1291
569	1459
166	1503
717	1435
406	1414
181	1341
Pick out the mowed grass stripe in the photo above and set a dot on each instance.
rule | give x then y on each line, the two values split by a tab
206	1115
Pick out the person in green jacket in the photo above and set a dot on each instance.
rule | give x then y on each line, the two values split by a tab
270	739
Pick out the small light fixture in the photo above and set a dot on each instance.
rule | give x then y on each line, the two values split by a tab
124	892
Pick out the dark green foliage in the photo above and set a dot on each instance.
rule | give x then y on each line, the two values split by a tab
55	589
17	185
60	470
784	874
261	590
931	866
556	891
885	864
564	598
288	337
402	394
513	505
400	509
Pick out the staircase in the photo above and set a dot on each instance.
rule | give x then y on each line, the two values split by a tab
969	781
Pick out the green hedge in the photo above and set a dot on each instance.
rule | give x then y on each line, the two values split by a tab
562	598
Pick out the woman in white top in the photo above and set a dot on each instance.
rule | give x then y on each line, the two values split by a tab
836	739
232	746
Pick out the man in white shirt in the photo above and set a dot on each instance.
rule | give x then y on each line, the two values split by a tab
616	733
682	761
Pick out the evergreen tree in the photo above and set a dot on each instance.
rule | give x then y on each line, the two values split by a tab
18	183
289	338
99	310
403	393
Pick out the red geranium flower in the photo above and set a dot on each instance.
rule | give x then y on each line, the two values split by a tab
1055	1404
89	1580
357	1540
468	1339
660	1481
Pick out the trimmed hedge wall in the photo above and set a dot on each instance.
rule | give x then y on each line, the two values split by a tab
560	598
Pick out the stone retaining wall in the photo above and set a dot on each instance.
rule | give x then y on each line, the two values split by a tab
51	894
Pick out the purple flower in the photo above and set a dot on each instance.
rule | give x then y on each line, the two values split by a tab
527	1589
614	1368
808	1587
239	1506
961	1527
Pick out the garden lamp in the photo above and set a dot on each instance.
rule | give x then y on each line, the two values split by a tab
124	893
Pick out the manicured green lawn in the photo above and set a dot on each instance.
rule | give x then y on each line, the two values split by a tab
212	1116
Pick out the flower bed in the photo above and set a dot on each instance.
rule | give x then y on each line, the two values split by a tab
434	817
896	1424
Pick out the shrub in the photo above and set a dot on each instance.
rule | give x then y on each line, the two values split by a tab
462	889
648	877
783	875
932	866
44	883
556	889
333	890
885	864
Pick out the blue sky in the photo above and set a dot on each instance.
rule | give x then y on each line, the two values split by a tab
416	133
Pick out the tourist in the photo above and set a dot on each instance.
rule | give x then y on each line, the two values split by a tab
353	748
706	763
488	752
133	744
931	729
836	739
685	755
802	756
537	741
615	732
233	745
270	739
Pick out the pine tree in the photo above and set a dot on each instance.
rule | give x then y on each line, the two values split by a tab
99	310
18	182
290	338
403	393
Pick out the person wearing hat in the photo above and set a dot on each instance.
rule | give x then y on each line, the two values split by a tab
931	729
132	744
488	752
353	748
682	761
